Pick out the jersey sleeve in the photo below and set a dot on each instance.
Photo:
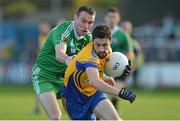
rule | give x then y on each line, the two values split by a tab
83	64
123	44
61	32
56	36
129	42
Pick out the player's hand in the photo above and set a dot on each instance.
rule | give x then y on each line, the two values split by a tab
127	71
127	95
69	59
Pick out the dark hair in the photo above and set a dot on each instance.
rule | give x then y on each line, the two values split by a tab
113	10
88	9
101	31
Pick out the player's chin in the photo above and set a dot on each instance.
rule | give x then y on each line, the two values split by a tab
102	55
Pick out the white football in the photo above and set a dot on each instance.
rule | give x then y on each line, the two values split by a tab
116	64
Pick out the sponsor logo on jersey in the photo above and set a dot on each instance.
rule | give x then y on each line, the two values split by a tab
72	47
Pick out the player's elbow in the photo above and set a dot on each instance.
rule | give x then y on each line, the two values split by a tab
58	59
91	82
94	82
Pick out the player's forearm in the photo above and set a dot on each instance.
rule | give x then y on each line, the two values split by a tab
104	87
105	77
61	56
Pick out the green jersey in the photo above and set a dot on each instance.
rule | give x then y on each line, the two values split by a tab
63	33
121	41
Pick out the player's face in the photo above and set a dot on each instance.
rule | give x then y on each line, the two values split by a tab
127	27
112	19
83	23
101	47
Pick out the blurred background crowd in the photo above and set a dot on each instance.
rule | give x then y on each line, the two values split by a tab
24	23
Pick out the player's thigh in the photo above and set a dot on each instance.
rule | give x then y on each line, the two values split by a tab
44	82
106	110
50	104
42	85
47	94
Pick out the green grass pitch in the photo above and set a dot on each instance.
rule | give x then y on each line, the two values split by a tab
17	102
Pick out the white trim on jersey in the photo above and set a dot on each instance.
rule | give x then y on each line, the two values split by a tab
68	30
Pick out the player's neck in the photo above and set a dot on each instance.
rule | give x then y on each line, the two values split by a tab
114	29
77	36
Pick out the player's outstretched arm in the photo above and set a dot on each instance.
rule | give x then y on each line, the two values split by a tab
99	84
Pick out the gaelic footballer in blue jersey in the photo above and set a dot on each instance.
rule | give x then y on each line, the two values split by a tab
84	84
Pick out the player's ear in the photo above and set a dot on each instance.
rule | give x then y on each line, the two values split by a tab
110	39
75	17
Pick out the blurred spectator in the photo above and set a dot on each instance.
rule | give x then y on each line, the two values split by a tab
138	61
168	26
44	28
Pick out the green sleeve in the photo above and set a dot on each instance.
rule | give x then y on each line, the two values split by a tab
123	43
126	43
57	32
56	36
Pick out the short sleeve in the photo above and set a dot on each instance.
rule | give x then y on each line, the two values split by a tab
56	36
82	65
61	32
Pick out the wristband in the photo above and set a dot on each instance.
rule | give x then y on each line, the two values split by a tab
121	92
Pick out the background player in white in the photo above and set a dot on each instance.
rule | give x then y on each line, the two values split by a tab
120	42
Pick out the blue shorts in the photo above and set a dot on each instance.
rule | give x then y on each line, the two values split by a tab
83	111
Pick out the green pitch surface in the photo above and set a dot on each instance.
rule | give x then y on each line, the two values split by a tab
17	102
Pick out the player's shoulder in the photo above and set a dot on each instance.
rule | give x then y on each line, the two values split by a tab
122	34
120	31
64	29
65	25
87	51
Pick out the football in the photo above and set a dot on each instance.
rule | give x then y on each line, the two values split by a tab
116	64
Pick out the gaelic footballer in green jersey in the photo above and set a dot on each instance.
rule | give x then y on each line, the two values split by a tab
62	44
120	42
62	34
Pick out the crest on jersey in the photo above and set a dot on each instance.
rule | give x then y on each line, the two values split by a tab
63	38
